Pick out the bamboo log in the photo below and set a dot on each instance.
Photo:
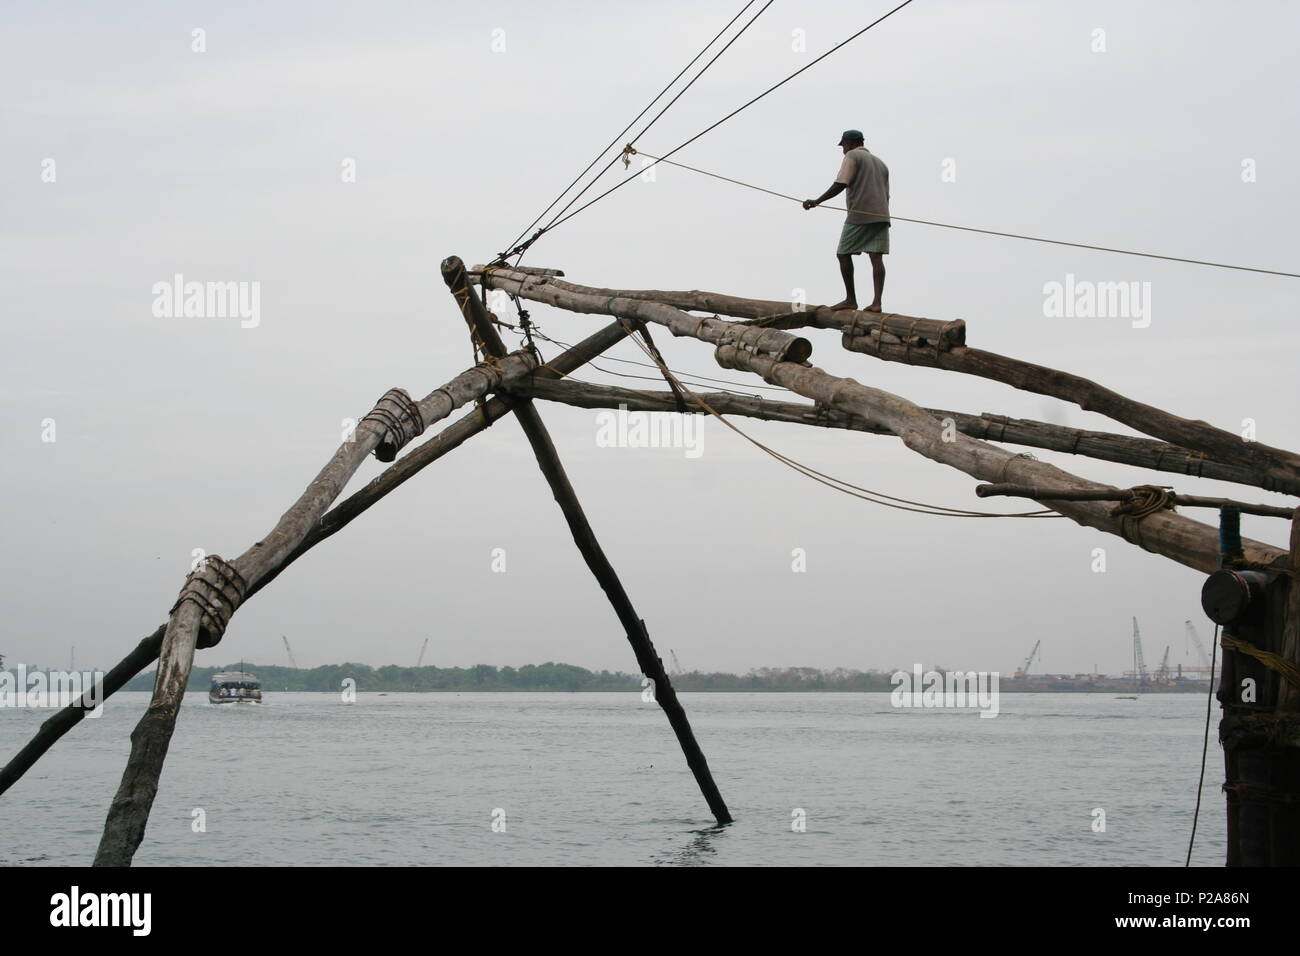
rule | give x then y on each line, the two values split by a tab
715	331
476	315
1274	469
1123	449
1176	537
1039	493
334	520
129	812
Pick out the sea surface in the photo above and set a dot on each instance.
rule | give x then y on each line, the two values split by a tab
553	778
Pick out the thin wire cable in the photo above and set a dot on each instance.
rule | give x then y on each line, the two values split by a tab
738	109
1205	747
740	387
679	95
659	378
614	141
838	484
987	232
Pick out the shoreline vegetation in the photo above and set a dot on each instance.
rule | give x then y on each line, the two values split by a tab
559	677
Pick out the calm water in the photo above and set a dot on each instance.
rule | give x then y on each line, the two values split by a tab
598	779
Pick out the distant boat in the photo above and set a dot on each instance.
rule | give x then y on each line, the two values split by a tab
1126	698
235	687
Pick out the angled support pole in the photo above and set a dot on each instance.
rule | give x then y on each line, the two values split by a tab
334	520
485	334
216	588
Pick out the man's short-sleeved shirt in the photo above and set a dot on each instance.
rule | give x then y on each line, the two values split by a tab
867	179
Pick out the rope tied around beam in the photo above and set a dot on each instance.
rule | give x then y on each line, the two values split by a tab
1274	662
398	418
1146	500
870	332
217	589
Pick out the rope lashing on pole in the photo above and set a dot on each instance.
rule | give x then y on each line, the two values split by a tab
398	417
217	589
1274	662
1146	500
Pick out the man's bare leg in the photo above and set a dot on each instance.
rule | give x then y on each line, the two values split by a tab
877	279
850	293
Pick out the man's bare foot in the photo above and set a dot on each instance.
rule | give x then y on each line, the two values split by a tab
840	306
873	307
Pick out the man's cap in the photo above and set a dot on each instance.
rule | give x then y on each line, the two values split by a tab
851	136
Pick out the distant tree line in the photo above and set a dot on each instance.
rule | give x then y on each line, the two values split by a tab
531	677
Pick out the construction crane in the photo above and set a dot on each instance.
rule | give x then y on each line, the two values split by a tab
1139	663
1024	668
1196	643
292	663
423	647
1162	672
677	665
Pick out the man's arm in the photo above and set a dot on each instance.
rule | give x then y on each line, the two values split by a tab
835	190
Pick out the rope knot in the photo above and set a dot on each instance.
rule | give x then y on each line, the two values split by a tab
1145	500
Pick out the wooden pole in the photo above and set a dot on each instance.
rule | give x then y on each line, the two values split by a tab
129	812
1188	542
1289	698
1039	493
1259	734
715	331
1124	449
334	520
145	653
941	345
476	315
1175	536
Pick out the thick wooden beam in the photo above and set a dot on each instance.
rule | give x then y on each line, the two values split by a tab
129	812
334	520
715	331
476	315
1123	449
1172	535
935	344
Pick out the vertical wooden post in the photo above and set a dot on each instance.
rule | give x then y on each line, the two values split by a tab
1289	696
453	272
1259	733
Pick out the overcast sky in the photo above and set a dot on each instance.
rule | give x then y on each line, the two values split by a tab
226	165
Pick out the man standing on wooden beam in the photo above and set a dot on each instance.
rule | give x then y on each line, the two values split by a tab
866	228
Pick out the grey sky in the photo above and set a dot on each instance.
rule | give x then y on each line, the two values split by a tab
175	434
